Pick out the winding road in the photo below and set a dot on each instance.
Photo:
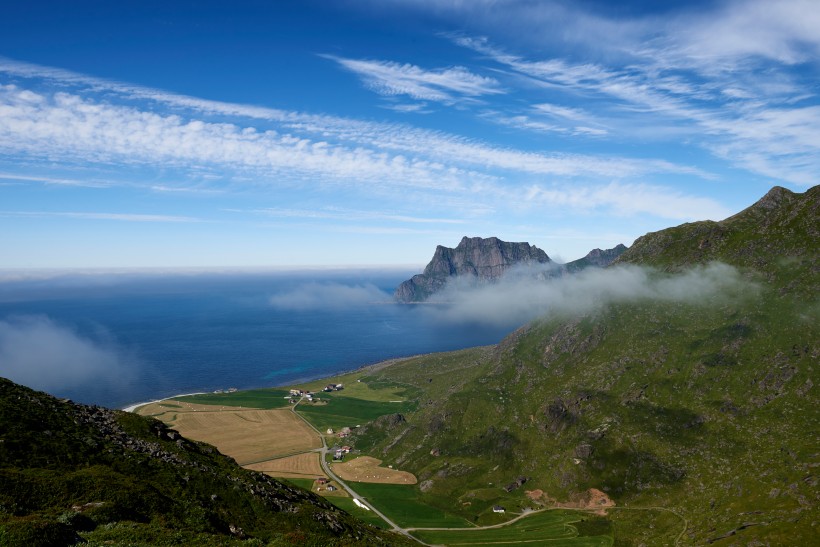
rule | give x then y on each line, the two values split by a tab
326	467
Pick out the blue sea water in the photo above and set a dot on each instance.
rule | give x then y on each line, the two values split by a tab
115	340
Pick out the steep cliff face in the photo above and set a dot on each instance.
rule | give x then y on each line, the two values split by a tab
483	259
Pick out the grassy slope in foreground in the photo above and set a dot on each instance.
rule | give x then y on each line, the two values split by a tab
71	471
707	409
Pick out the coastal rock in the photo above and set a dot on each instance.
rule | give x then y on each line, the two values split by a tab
482	259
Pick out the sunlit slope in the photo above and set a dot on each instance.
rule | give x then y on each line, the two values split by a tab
703	407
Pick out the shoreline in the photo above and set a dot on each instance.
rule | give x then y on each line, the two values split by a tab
132	408
375	366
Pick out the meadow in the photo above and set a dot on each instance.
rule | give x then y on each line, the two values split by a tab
401	504
347	504
555	527
344	411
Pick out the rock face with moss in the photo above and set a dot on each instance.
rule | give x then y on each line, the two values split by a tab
474	257
73	473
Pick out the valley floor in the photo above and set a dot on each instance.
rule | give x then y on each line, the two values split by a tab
306	441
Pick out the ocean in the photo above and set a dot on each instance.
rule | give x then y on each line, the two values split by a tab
118	339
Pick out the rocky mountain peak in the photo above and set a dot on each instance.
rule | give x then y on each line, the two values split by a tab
485	259
774	198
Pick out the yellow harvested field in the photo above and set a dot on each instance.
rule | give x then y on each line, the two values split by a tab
367	469
167	408
300	466
246	435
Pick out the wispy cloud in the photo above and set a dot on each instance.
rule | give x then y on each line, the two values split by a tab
79	128
54	180
445	85
352	215
629	199
747	121
121	217
269	146
435	145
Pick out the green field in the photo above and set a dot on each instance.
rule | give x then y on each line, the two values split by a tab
348	505
343	411
571	528
253	398
359	386
307	484
401	504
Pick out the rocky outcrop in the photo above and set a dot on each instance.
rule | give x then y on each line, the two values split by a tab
596	258
474	257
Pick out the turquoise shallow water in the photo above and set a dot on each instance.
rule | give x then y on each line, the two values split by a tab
116	340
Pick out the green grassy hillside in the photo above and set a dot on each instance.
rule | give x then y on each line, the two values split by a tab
71	473
699	418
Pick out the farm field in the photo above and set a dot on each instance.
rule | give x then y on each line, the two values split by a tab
248	436
400	503
367	469
344	411
359	386
252	398
299	466
169	408
556	527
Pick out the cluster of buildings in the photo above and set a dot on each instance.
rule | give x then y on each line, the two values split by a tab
322	481
309	395
340	452
302	393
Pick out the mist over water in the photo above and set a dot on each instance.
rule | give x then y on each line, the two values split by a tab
119	339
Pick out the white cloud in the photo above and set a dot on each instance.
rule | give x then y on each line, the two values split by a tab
55	180
382	159
629	199
757	127
122	217
445	85
77	129
784	31
353	215
74	128
520	298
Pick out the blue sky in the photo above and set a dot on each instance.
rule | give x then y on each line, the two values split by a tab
307	133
